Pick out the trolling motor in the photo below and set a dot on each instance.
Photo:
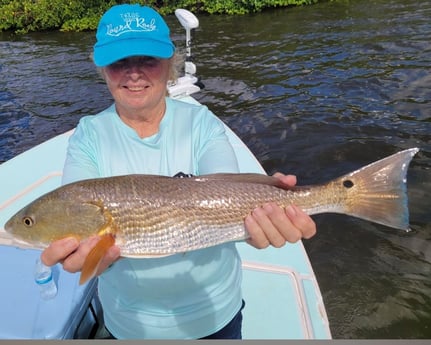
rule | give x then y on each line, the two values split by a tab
189	21
189	83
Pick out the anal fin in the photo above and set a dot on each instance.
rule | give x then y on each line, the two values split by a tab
93	259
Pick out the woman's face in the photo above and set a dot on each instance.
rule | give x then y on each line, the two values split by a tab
138	83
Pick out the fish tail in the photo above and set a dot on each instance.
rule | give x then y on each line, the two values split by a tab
93	259
379	192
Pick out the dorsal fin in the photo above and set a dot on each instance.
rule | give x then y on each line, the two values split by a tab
244	178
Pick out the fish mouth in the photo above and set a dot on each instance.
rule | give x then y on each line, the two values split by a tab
6	238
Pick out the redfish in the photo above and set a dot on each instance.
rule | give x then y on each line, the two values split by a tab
150	216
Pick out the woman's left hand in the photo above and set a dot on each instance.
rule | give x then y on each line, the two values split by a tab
272	225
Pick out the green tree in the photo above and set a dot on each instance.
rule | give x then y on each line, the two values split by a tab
22	16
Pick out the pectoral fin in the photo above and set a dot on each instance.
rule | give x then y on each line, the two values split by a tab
93	259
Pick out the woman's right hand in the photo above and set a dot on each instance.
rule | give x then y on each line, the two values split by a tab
71	254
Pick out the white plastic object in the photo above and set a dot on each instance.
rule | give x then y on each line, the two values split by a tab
44	279
187	19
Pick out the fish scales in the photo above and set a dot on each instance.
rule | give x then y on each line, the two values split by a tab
155	215
158	215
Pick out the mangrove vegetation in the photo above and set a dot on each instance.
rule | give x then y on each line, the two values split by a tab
22	16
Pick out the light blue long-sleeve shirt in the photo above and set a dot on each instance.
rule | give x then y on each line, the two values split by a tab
185	296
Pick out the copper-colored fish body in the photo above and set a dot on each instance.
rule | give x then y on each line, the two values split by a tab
152	215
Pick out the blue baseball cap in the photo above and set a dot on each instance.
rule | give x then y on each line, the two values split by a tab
131	30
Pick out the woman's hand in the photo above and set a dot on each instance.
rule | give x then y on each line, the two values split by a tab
273	225
72	253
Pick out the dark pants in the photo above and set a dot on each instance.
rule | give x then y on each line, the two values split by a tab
231	331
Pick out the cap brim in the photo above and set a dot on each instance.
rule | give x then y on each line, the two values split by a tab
107	54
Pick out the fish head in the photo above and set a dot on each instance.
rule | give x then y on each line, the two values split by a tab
51	218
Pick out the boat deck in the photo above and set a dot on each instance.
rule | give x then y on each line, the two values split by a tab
283	299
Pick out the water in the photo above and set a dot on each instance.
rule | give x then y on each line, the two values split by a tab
315	91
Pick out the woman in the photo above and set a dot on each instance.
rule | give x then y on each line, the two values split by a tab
188	296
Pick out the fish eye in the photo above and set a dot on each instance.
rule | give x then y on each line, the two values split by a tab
348	183
28	221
